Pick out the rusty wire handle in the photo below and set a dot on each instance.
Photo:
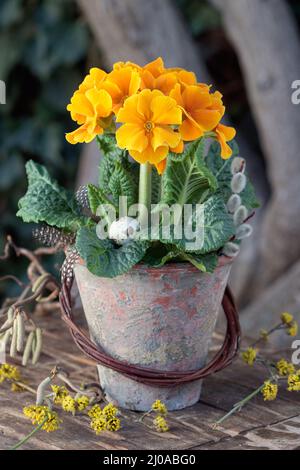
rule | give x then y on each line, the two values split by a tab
155	377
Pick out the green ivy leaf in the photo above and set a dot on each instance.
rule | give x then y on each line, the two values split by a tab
221	170
188	180
46	201
103	258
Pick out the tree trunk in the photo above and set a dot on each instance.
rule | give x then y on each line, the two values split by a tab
265	37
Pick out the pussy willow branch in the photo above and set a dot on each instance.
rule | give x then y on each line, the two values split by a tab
35	270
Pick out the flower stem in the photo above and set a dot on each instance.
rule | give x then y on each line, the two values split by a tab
239	405
26	438
145	192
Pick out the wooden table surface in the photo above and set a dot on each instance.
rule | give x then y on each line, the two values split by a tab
260	425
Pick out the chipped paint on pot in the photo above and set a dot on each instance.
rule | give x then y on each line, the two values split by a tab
162	318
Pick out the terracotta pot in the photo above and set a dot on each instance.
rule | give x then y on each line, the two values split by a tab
161	318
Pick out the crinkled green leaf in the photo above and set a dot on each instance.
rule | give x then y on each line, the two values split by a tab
105	259
122	183
188	180
46	201
217	228
206	263
96	197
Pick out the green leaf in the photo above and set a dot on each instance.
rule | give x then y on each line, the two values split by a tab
111	154
206	263
221	170
121	183
103	258
217	228
187	181
46	201
96	197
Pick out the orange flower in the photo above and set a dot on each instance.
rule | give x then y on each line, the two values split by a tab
224	135
147	133
201	110
121	83
88	109
95	78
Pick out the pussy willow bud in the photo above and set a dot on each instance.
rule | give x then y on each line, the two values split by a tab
231	249
28	348
240	215
243	231
233	203
238	165
238	183
20	332
13	344
37	346
40	393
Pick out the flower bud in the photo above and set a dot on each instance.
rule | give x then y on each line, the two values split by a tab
238	165
233	203
238	182
231	249
240	215
243	231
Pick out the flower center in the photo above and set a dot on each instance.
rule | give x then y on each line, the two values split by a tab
148	126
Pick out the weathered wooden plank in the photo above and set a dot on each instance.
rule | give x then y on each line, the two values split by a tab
284	435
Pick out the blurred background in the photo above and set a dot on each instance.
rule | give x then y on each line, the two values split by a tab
248	49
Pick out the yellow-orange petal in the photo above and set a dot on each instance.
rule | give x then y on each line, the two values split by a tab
150	155
165	111
129	111
94	79
161	166
225	134
131	137
195	97
187	78
206	118
189	130
179	148
101	100
229	132
176	94
165	82
81	105
156	67
81	135
144	103
164	135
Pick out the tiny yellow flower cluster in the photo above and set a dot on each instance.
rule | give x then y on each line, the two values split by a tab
71	405
9	372
104	420
269	390
249	356
159	407
294	382
284	368
160	424
159	421
287	319
59	393
38	414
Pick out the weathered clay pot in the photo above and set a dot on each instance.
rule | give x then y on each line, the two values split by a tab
161	318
